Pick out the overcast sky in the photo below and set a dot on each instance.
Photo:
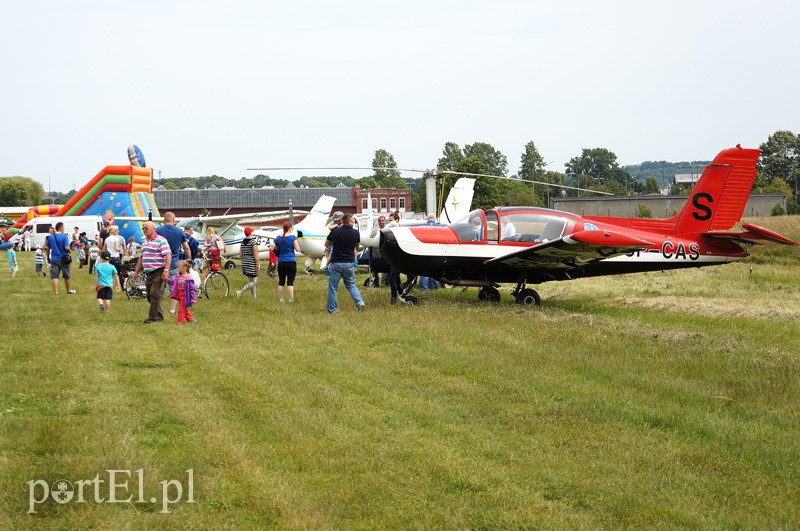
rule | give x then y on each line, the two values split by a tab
217	87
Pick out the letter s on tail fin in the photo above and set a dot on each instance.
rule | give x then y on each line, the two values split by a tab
719	197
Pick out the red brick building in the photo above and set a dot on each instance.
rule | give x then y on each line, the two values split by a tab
384	200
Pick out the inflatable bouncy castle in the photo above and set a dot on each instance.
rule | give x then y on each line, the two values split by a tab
116	191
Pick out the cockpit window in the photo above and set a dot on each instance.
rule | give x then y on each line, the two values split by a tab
531	227
471	228
491	226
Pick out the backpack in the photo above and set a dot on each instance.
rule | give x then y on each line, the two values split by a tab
194	247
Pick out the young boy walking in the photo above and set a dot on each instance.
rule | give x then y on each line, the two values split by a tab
38	260
105	275
12	262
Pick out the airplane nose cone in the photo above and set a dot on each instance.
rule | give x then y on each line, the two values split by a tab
390	250
387	238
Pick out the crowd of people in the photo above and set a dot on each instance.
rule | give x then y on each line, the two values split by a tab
169	258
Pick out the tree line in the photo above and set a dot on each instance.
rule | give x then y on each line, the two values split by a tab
594	169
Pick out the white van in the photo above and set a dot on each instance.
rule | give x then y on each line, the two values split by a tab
40	227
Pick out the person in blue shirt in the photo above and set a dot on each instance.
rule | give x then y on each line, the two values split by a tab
12	261
106	278
477	226
194	247
58	245
287	262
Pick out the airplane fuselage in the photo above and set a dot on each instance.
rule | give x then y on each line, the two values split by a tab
446	253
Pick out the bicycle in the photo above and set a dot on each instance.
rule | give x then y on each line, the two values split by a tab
215	285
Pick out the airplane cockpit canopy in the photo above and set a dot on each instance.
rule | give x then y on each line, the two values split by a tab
533	226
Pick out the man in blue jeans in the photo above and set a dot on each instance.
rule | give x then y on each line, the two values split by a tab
343	244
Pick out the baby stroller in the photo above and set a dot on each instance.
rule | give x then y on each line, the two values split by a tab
135	285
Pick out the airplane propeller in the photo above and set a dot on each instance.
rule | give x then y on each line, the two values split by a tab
432	173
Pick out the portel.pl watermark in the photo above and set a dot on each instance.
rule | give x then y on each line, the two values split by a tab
110	489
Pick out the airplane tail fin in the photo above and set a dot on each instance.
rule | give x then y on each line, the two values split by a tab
320	213
459	201
719	197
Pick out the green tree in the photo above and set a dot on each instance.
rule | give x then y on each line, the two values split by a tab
601	165
387	178
644	211
532	169
491	192
20	191
619	181
778	210
491	159
531	164
451	156
780	158
368	183
651	185
597	162
477	158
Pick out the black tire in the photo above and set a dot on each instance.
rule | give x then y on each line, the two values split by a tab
370	282
230	265
411	300
528	296
489	294
216	286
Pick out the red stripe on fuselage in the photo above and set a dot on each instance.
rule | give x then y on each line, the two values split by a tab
435	234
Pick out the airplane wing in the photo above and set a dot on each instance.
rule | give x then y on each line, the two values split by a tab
251	216
579	248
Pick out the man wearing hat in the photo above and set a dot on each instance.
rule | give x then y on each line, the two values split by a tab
343	244
194	249
337	220
335	224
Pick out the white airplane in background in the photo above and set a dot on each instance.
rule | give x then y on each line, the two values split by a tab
313	230
230	228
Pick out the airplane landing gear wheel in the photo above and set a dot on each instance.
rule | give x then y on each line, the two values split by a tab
528	296
230	265
411	300
371	282
489	294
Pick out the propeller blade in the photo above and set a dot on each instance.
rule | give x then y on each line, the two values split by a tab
524	181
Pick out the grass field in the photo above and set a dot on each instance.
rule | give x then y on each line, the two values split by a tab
650	400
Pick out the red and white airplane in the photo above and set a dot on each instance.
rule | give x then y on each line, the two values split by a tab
527	245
